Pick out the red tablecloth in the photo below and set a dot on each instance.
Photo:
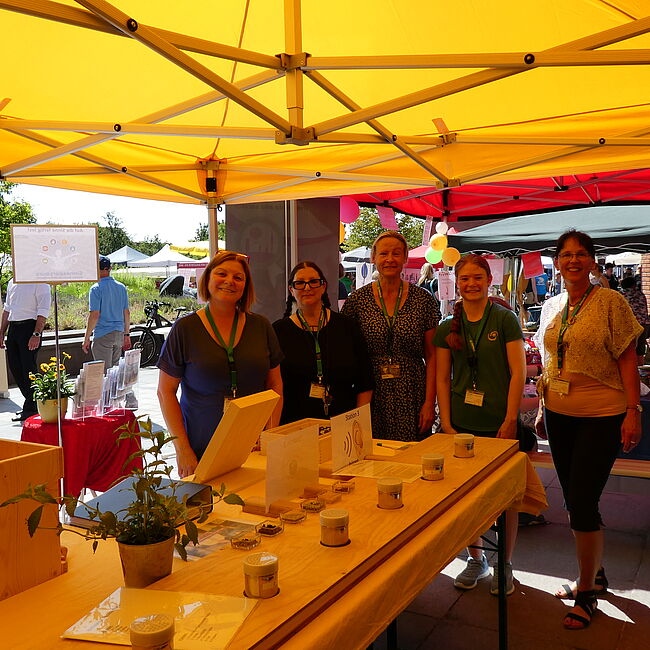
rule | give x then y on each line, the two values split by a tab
91	455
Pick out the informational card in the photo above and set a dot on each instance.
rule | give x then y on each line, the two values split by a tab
446	285
291	464
54	254
382	468
202	621
532	264
351	437
496	266
215	534
93	378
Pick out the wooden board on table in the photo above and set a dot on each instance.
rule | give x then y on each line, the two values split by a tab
27	561
312	576
237	432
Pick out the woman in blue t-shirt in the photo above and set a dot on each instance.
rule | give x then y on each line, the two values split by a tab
480	375
220	352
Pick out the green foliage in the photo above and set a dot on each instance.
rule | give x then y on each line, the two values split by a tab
368	227
112	236
203	232
149	246
11	212
152	516
44	382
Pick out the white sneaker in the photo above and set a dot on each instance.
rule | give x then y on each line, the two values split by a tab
472	573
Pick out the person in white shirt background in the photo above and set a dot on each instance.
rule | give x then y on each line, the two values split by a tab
26	309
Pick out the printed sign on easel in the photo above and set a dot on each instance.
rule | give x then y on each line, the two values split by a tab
54	254
351	437
291	464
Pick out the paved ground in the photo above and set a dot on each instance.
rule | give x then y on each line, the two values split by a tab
444	617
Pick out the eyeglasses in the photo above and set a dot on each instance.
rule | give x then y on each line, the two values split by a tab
580	255
314	284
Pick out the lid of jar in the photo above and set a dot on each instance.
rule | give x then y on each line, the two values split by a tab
260	564
152	630
389	484
463	436
334	518
432	459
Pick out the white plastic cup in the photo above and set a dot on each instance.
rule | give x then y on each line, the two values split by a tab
433	467
463	445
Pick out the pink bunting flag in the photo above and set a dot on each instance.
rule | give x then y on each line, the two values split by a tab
387	217
532	264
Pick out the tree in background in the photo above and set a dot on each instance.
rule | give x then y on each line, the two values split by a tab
150	246
203	232
368	227
112	236
10	212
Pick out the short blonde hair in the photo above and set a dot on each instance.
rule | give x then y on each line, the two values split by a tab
395	235
248	297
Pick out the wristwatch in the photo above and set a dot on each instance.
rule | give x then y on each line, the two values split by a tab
36	334
635	407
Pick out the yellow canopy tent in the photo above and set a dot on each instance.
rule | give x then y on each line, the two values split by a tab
242	101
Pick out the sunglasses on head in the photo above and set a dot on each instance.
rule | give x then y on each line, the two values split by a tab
300	284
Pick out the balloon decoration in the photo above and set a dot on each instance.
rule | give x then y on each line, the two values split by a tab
433	257
348	209
439	249
341	233
450	256
438	242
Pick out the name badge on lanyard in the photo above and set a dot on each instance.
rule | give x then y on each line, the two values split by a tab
391	370
474	397
560	386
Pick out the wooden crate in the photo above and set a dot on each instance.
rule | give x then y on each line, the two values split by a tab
27	561
324	440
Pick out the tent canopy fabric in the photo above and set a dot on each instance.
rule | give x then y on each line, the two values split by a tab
126	254
164	257
359	254
613	229
298	99
195	247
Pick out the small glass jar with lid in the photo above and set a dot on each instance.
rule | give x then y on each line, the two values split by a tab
389	493
334	529
155	632
433	467
261	575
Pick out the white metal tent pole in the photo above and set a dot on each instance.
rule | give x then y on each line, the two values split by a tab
57	354
213	229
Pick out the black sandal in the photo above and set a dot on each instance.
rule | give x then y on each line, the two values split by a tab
601	583
586	600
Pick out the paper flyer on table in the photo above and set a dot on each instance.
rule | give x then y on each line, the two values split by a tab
382	468
215	534
291	464
202	621
351	437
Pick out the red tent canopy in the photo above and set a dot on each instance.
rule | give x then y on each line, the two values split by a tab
512	198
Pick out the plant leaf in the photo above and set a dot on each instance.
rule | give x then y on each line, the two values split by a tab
192	531
34	520
181	551
233	499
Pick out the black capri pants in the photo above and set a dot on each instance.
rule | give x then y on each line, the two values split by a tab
584	450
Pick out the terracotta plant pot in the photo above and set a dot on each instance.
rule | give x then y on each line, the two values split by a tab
48	409
146	563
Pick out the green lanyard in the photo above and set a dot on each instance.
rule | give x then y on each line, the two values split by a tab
305	326
472	345
566	323
230	348
390	320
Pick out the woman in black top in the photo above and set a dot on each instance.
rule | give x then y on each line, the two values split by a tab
336	380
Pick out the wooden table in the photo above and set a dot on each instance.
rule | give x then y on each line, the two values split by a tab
393	553
92	457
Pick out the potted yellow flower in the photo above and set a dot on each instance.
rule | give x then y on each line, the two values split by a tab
44	387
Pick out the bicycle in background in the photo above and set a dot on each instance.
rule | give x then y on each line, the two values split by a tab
150	342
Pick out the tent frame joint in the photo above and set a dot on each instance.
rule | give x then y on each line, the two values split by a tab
293	61
448	138
454	182
298	135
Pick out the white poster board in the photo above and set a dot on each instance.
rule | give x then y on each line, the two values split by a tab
351	437
497	265
291	464
446	285
54	254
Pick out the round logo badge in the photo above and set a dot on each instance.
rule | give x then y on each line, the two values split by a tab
492	336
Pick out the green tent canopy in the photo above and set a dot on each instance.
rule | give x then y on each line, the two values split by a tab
614	229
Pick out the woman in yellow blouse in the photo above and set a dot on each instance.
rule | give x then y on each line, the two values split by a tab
590	393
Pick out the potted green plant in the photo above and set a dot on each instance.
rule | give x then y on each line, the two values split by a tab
44	387
155	520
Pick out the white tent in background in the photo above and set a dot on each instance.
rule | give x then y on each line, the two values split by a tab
625	259
125	255
164	257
